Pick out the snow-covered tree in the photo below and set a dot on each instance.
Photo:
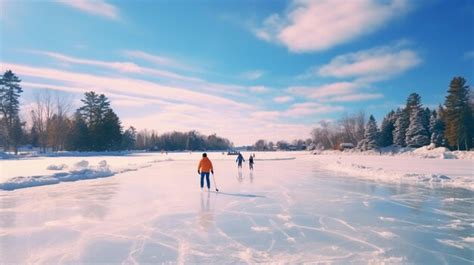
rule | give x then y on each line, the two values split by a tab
436	129
370	140
401	125
417	135
426	119
386	129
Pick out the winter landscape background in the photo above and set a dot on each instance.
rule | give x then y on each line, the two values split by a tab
359	116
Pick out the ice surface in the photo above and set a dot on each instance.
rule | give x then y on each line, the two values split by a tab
291	211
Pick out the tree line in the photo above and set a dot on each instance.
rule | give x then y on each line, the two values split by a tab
450	125
179	141
263	145
94	126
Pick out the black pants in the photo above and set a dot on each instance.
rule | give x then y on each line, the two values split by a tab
205	174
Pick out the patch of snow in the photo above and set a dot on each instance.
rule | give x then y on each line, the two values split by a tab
80	170
468	239
57	167
386	234
451	243
390	219
260	228
402	169
428	151
284	217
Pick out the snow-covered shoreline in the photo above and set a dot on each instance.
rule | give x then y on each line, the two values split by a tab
433	167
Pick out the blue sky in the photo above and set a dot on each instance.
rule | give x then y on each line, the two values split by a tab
242	69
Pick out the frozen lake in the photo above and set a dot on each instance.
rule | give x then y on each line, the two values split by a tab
285	211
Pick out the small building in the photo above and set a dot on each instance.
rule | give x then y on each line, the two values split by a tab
344	146
232	152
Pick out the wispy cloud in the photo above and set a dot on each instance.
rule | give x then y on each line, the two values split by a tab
310	108
93	7
126	86
360	71
259	89
125	67
335	92
252	75
374	64
316	25
159	60
299	110
469	55
325	91
283	99
356	97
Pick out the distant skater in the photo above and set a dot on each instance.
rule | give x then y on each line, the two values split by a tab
251	162
239	160
204	167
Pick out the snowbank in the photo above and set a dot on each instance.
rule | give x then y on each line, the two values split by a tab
78	171
81	170
57	167
31	154
428	151
4	155
402	169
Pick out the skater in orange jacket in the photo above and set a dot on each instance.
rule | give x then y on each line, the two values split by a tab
204	167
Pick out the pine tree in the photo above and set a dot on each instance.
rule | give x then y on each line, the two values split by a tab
436	129
416	135
16	134
129	138
105	131
458	116
371	133
413	103
401	125
386	130
78	137
370	140
111	131
425	120
10	91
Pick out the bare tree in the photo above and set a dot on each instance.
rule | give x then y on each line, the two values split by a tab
352	127
49	118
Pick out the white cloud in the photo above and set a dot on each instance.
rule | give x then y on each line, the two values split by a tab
125	67
127	86
356	97
252	75
469	55
259	89
158	60
266	115
283	99
316	25
326	90
335	92
310	108
94	7
371	65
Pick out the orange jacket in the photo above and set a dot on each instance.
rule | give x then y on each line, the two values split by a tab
205	165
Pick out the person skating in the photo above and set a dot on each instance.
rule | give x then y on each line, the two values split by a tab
204	167
239	160
251	162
